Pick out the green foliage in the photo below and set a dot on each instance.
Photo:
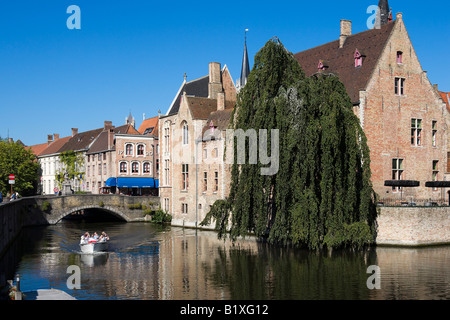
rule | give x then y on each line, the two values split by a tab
161	217
16	159
134	206
46	206
72	164
101	204
321	195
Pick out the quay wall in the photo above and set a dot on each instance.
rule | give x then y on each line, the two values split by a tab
413	226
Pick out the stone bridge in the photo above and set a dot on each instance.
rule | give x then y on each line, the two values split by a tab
51	209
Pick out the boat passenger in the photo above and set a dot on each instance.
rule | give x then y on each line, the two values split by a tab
104	236
95	236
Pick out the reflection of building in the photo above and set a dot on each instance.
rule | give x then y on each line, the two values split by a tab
193	173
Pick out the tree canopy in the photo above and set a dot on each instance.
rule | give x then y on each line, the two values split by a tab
16	159
322	194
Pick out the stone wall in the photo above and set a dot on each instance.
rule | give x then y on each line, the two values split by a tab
413	226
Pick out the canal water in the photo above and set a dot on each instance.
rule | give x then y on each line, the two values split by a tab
151	262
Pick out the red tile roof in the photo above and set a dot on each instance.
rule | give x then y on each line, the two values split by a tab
341	61
55	146
38	148
149	123
446	97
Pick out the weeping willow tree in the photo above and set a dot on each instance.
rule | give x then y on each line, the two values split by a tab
321	194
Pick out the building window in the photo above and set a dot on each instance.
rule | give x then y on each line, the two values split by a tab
215	153
216	181
140	150
166	204
129	149
205	154
104	169
184	208
399	57
399	86
135	167
88	171
205	181
87	186
123	167
166	172
434	133
185	176
435	172
99	157
358	59
88	158
416	132
104	155
93	171
166	138
185	133
146	167
99	169
397	171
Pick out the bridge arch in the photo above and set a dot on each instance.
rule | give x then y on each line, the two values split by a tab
111	210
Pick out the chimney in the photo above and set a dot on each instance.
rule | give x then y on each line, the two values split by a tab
74	132
108	125
49	138
110	138
220	101
346	31
215	80
55	136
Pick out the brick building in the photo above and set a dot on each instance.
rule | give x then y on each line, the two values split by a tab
193	172
403	116
136	159
100	159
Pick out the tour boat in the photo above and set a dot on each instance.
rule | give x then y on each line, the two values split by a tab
92	245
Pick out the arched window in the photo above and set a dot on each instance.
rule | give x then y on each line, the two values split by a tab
140	150
147	167
123	167
135	167
129	149
185	133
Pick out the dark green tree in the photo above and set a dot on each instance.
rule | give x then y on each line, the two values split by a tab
321	194
16	159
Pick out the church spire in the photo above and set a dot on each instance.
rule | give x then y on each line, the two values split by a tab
245	71
383	14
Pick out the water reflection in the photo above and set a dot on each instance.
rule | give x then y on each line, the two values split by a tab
165	263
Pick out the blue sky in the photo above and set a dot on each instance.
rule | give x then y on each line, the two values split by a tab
132	55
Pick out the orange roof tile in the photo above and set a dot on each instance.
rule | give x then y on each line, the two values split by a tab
38	148
147	124
446	97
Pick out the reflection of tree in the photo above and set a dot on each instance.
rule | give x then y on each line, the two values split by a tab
284	274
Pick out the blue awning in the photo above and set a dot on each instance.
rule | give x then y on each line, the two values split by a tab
111	182
136	182
156	183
